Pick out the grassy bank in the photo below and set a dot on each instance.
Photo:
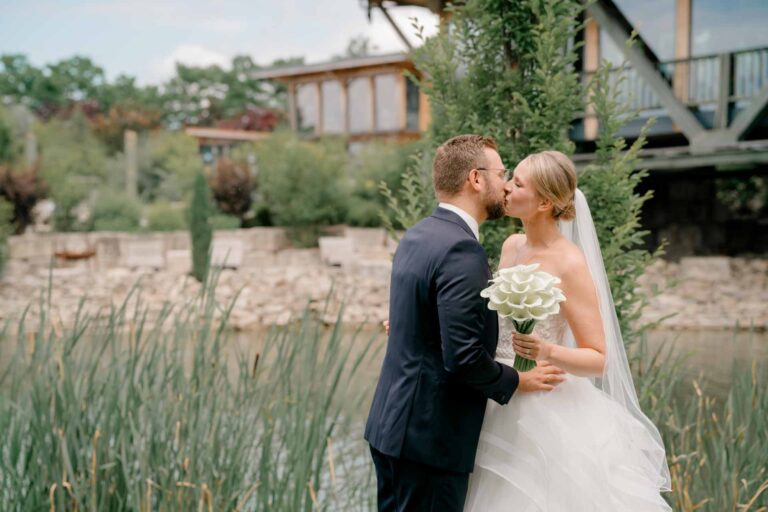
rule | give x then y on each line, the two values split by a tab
110	415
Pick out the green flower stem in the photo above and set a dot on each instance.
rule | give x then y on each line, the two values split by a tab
522	364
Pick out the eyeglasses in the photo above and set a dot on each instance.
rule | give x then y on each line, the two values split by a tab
507	172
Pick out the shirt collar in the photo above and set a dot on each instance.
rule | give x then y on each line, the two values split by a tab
470	220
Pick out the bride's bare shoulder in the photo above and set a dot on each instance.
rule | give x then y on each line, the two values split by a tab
569	259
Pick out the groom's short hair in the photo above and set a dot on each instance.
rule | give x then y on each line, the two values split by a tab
455	158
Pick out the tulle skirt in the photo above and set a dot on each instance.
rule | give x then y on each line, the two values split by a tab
572	449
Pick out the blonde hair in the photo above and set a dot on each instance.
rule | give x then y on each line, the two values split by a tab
554	178
455	158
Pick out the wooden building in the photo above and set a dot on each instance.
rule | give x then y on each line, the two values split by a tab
359	99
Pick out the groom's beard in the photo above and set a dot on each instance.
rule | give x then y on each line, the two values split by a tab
495	209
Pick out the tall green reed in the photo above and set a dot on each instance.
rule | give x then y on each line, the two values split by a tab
717	449
119	412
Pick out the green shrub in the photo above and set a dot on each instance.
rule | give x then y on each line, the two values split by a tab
163	216
200	228
302	183
115	211
376	163
224	221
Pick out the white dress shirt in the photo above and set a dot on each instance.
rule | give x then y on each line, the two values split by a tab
470	220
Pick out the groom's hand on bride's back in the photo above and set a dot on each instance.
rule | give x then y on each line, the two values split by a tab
542	378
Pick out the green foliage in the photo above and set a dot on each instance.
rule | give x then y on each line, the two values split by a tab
115	211
168	164
715	444
122	413
413	201
6	230
302	183
224	221
200	228
376	164
506	71
163	216
74	163
609	184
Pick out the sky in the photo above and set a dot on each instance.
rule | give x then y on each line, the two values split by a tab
145	38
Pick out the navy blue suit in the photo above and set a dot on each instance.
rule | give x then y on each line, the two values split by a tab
438	371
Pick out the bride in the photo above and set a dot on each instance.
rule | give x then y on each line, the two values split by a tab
586	445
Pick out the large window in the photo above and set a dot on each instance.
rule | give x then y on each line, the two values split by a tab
306	107
333	113
721	26
360	108
387	102
654	20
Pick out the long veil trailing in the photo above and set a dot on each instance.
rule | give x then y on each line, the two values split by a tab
616	380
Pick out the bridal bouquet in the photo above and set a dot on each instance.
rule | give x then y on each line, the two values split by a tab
525	295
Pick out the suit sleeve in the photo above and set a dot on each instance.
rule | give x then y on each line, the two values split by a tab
462	313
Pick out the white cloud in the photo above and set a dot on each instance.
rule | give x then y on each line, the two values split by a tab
189	54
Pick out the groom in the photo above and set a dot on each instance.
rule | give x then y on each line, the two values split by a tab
439	371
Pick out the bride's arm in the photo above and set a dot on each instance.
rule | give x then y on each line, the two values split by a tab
582	312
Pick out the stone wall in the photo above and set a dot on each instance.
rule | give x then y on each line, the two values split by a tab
275	282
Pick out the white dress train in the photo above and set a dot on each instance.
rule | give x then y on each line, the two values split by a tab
569	450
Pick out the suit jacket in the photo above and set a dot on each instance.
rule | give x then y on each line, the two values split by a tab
438	370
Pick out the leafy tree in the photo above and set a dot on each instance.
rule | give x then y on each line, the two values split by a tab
200	228
73	163
168	164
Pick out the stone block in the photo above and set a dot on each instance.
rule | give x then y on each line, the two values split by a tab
227	252
336	250
365	239
143	253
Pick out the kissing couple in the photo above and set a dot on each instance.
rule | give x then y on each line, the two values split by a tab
453	426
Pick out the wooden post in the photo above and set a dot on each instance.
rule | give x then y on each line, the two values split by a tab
681	76
30	148
293	117
319	123
591	63
344	105
372	89
130	147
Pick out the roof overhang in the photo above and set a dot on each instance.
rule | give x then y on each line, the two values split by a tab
346	65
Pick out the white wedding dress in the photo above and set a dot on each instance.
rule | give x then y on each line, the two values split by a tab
573	449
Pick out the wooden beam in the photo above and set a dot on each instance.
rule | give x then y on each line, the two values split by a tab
591	63
397	29
372	89
319	122
344	105
403	101
682	48
748	117
642	59
292	112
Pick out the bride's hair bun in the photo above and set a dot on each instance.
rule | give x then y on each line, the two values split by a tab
567	212
554	177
